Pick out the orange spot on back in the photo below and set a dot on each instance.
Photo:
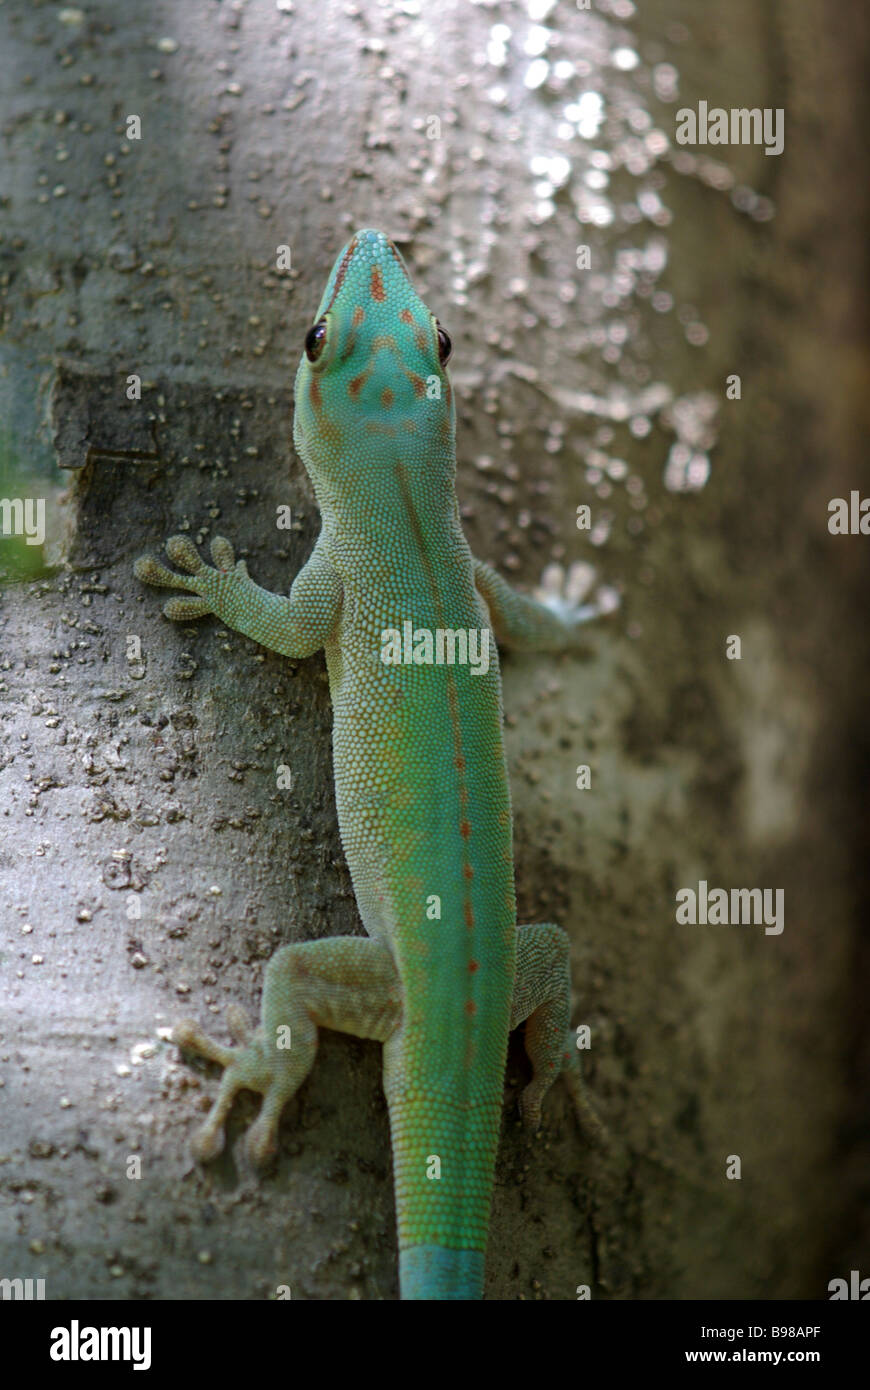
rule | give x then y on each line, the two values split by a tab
378	284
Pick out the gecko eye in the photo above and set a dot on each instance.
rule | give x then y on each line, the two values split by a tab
314	340
445	344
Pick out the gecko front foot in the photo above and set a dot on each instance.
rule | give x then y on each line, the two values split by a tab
562	593
199	578
249	1066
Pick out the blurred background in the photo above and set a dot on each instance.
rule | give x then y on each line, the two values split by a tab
674	335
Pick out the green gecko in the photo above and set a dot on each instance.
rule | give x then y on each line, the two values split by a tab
421	782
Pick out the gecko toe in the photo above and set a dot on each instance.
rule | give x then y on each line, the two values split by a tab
239	1025
150	571
222	553
182	552
208	1142
188	1034
530	1109
262	1141
181	610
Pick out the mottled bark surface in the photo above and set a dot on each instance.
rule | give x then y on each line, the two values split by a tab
149	864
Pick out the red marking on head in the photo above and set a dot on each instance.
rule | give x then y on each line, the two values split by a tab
398	259
465	829
314	394
358	315
418	384
406	316
470	1008
459	763
467	871
421	339
387	398
342	271
378	284
473	965
355	386
468	913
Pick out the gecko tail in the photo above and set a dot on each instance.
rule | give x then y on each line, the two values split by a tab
434	1272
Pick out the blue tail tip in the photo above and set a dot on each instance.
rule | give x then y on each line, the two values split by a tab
432	1271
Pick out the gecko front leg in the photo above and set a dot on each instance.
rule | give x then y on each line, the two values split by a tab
296	626
547	623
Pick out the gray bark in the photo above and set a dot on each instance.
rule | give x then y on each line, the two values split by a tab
150	867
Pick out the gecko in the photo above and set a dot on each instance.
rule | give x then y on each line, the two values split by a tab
444	972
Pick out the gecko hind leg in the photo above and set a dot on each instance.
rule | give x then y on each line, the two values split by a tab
542	999
348	983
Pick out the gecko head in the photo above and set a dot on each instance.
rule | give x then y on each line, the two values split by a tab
372	385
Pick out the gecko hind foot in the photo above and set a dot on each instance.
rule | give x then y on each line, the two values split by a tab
246	1068
592	1127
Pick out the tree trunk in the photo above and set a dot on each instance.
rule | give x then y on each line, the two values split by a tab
600	291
